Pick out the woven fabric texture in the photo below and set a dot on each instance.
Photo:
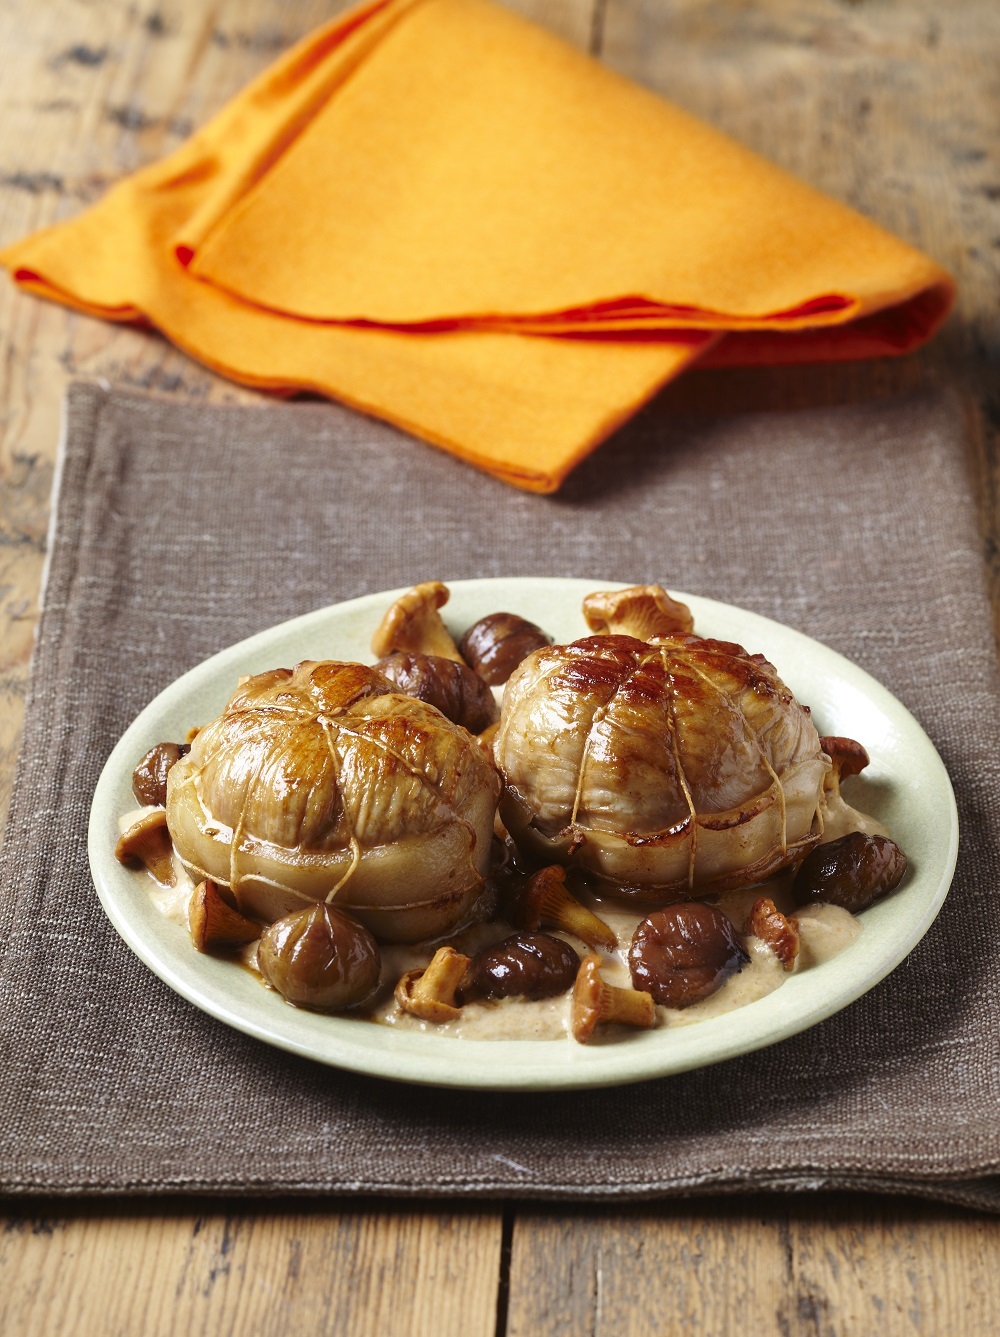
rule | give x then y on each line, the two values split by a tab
182	528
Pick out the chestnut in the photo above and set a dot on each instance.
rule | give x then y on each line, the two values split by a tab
684	953
527	965
319	958
452	688
149	779
496	644
851	872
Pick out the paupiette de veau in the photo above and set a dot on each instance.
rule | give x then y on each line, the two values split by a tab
661	767
326	782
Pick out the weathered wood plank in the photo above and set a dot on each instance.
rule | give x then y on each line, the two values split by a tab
799	1269
396	1272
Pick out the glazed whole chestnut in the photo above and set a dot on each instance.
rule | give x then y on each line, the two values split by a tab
149	779
460	695
665	767
496	644
684	953
528	965
319	958
851	872
326	780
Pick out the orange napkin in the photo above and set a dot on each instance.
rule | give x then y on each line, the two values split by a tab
443	215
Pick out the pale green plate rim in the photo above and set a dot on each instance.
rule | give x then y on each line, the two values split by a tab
906	787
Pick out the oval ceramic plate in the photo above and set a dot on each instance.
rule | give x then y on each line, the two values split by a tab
906	788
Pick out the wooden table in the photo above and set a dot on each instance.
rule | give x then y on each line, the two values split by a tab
893	108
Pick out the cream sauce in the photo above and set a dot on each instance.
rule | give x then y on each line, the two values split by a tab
840	819
824	932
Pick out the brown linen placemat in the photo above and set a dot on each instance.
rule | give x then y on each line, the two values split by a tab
181	529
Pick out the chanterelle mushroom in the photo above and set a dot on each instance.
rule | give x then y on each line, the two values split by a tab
642	611
324	783
661	768
597	1003
414	624
544	901
430	994
214	923
147	841
848	757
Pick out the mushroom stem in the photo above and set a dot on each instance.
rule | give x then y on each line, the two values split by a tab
597	1003
430	994
545	902
487	736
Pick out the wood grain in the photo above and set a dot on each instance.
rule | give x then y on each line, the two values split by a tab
893	108
815	1269
393	1272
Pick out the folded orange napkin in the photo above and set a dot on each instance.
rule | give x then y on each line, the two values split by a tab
443	215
